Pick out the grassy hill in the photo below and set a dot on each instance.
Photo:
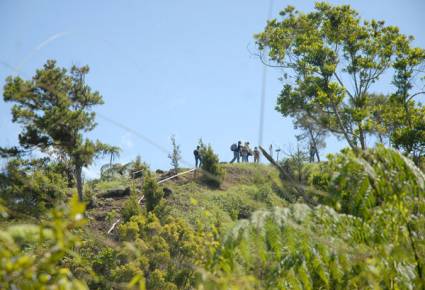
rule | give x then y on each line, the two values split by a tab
246	188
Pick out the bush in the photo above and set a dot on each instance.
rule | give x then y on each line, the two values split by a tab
131	208
105	261
139	168
213	172
32	256
124	273
167	253
128	231
303	248
29	187
152	192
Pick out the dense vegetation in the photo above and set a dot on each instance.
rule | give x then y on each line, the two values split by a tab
353	221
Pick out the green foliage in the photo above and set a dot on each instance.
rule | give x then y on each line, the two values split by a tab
135	169
374	243
153	193
243	236
104	261
213	173
295	164
55	109
105	185
131	207
139	168
175	155
378	177
247	188
31	187
31	256
301	248
168	252
321	50
9	152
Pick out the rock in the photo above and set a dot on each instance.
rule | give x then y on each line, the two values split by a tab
92	203
100	216
115	192
167	192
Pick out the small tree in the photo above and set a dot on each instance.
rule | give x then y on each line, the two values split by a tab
139	168
312	134
295	163
175	155
55	109
213	172
152	192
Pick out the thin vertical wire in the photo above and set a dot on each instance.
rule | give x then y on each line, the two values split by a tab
263	89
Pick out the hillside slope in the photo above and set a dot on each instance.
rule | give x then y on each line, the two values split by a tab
246	188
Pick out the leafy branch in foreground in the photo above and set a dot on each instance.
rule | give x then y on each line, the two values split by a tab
376	242
31	256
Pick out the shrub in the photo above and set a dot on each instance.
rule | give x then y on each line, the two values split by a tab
303	248
128	231
38	263
125	273
105	261
29	187
152	192
131	208
139	168
213	172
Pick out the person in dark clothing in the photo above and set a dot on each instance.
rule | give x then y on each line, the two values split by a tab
256	155
236	152
197	155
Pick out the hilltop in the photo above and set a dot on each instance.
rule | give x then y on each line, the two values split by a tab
246	188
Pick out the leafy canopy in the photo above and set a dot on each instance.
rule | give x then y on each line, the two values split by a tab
325	51
55	109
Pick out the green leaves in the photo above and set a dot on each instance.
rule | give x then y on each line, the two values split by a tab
31	187
54	108
152	192
334	57
213	173
31	256
366	244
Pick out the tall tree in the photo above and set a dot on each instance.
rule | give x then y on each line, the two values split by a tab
55	109
404	115
332	58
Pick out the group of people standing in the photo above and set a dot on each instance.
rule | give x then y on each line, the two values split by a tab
243	151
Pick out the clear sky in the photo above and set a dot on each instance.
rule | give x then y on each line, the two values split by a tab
167	67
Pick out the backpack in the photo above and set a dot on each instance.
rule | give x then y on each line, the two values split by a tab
234	147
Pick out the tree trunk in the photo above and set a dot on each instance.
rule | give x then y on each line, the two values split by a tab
342	127
286	177
362	137
416	255
79	179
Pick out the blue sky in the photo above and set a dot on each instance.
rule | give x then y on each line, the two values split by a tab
167	67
